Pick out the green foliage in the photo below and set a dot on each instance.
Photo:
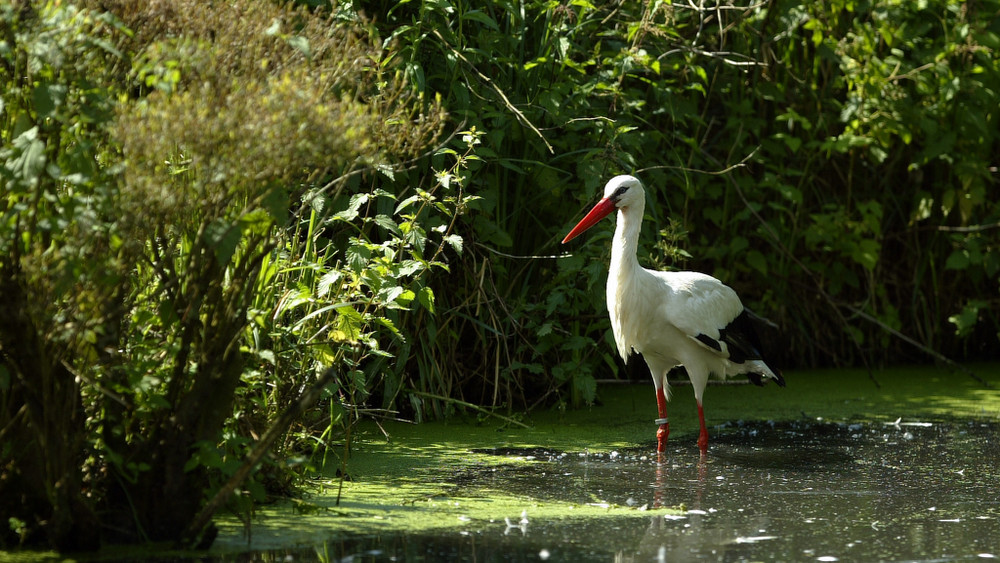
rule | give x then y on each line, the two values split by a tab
205	205
61	262
829	161
151	186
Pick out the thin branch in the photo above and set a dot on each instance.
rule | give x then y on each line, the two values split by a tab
487	412
720	55
724	171
306	400
517	113
969	229
521	257
102	389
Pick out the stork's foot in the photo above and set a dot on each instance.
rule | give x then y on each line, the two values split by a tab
703	441
661	437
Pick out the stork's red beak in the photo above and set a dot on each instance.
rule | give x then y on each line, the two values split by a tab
600	211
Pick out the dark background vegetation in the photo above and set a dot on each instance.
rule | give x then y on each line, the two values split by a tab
206	206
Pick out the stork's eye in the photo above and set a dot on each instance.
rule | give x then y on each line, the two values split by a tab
618	193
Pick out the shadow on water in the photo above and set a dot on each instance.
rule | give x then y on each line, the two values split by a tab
789	491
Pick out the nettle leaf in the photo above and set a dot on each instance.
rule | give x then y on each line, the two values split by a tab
388	224
327	281
388	295
586	385
48	97
415	236
426	298
966	320
223	237
455	241
406	203
351	213
30	163
534	367
292	299
387	171
409	267
348	324
358	257
866	253
389	325
406	298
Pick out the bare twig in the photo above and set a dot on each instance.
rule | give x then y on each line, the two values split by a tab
521	257
506	419
724	171
969	229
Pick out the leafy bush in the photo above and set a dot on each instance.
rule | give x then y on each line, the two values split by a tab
830	162
154	183
207	205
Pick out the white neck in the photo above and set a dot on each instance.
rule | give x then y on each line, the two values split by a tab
625	243
624	272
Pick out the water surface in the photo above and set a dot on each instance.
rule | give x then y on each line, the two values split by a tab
914	490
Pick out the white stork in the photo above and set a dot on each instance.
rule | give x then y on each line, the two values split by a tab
672	318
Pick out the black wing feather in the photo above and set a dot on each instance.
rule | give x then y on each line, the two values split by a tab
744	344
741	339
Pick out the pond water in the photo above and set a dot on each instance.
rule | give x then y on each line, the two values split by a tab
802	491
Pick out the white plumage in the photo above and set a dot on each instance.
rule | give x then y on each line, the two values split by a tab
672	318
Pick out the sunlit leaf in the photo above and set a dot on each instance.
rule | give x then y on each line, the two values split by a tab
425	296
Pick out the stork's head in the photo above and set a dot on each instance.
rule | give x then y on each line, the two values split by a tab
619	193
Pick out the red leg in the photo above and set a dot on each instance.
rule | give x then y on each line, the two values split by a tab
664	430
703	435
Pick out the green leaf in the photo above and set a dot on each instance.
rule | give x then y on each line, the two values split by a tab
389	325
300	44
358	256
455	241
388	224
327	281
534	367
47	98
866	253
276	204
586	386
959	260
409	267
351	213
348	325
257	221
406	298
757	261
426	298
389	294
222	237
30	161
406	203
480	17
966	320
